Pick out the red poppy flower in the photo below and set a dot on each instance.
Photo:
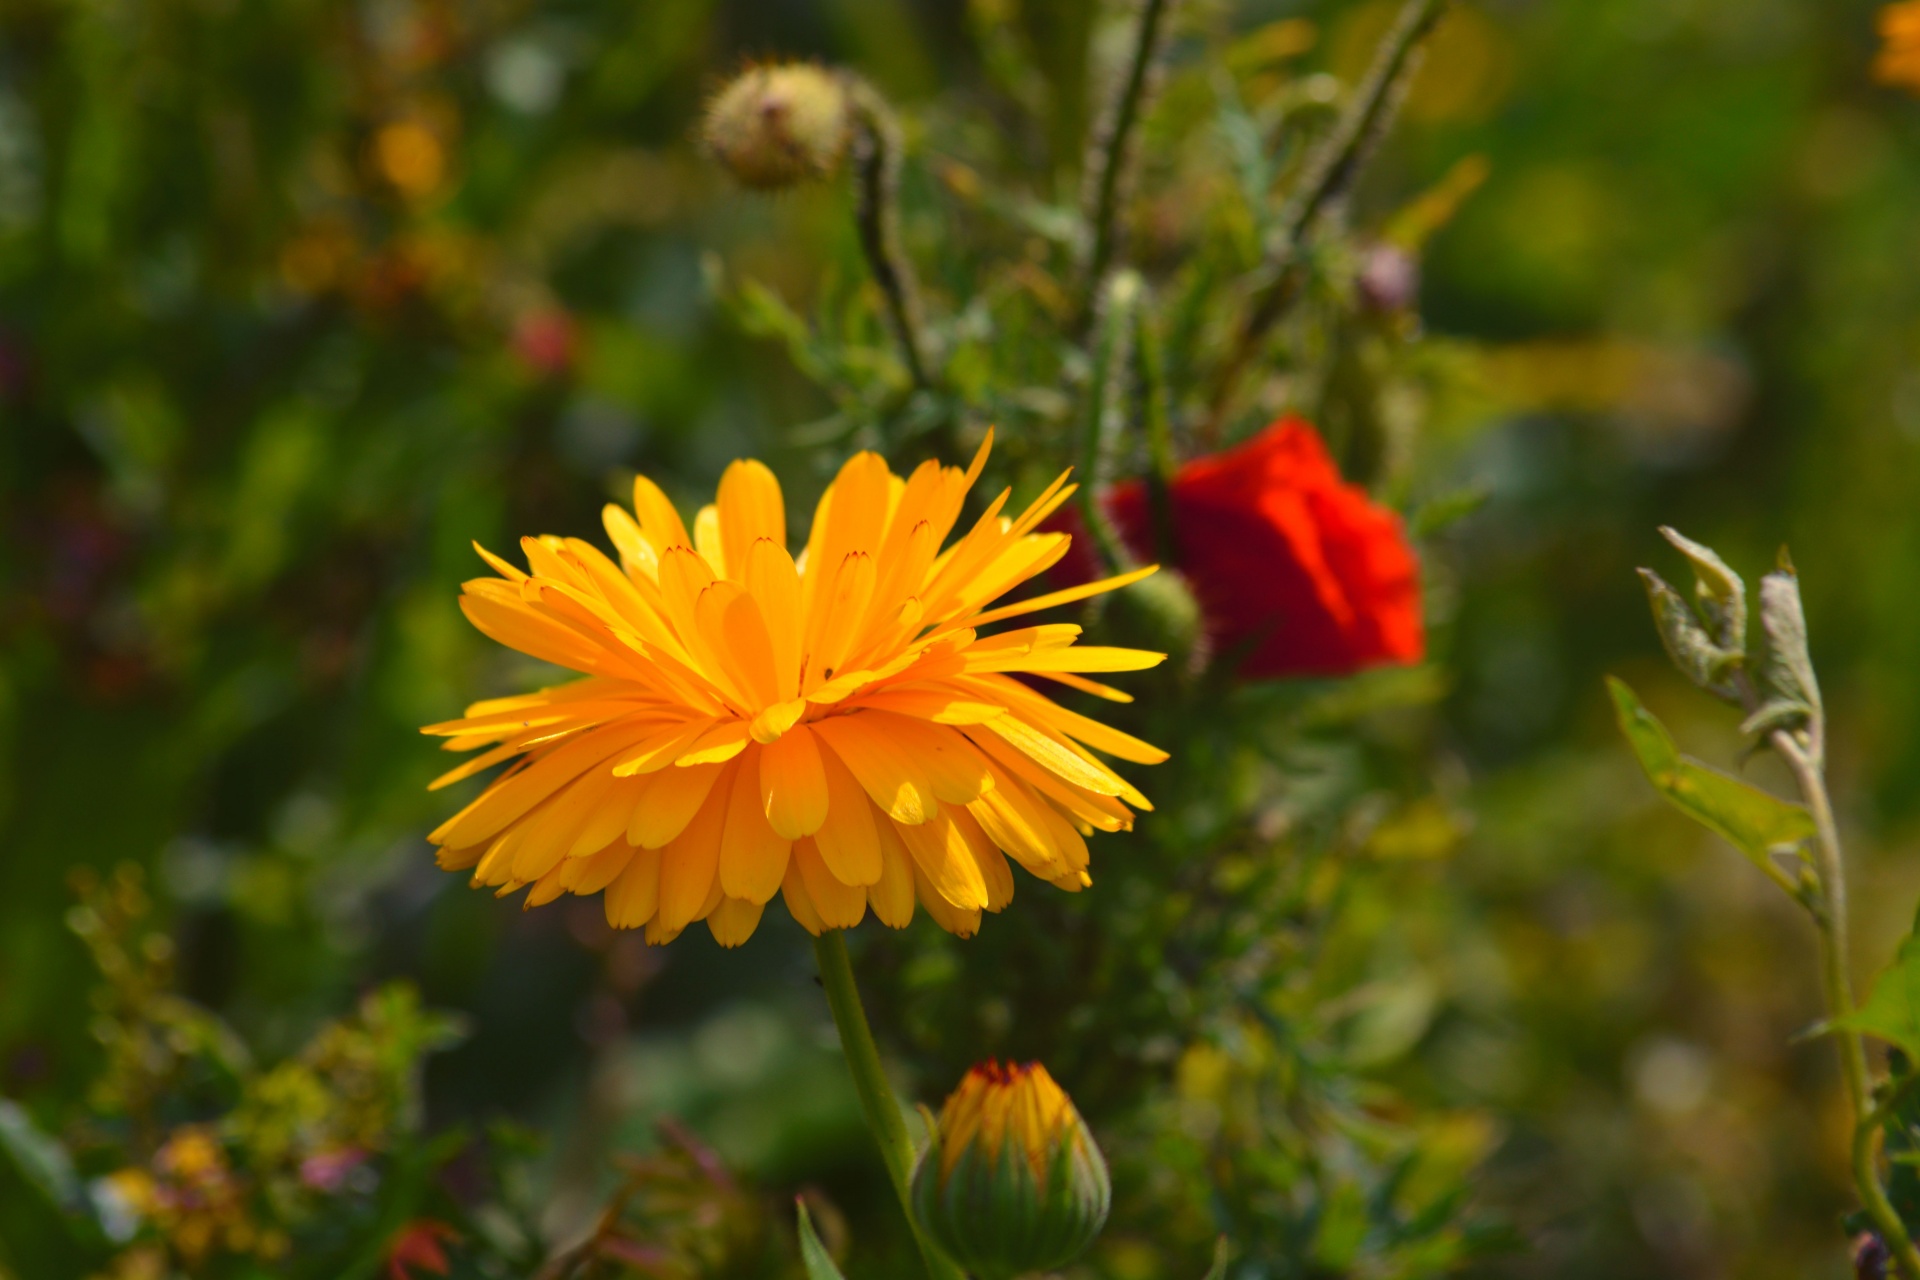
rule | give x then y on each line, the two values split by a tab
419	1244
1296	570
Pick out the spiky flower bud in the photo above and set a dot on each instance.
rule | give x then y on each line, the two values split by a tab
1012	1182
779	125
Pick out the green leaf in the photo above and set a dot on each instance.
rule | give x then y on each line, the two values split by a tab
819	1262
1721	593
1218	1271
1787	670
1892	1012
1754	821
1692	650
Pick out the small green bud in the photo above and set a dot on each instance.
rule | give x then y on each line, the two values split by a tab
780	125
1012	1181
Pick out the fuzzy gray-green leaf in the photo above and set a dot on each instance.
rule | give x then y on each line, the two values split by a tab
1788	669
1692	650
1721	593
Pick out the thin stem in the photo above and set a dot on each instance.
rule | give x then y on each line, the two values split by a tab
1831	922
1111	159
1329	176
1113	336
876	169
870	1082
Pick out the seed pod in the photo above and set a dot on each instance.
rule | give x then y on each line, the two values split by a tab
779	125
1012	1182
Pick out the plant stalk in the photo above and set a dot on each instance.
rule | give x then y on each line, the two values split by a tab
1831	922
870	1082
1329	176
876	170
1111	159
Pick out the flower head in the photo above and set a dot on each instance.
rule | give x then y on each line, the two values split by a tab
779	125
1297	572
1899	59
833	727
1012	1181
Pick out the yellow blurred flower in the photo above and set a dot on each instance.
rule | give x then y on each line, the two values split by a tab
410	157
831	727
1899	60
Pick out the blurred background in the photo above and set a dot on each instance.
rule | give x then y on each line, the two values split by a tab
296	298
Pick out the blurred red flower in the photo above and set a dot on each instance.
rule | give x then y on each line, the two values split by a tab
421	1244
546	339
1296	570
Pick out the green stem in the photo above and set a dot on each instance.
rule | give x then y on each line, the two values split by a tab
1112	153
1106	380
1831	921
876	170
1329	176
870	1082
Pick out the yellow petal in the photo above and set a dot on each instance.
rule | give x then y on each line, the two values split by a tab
777	719
722	742
848	839
706	539
898	783
937	703
734	920
793	784
612	805
892	895
663	748
840	905
962	922
637	556
987	856
940	851
737	641
658	520
1067	596
753	856
690	865
750	509
775	586
1011	816
591	874
634	896
510	797
793	891
951	765
668	804
839	614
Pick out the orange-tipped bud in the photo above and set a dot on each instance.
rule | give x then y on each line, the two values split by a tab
1012	1181
781	125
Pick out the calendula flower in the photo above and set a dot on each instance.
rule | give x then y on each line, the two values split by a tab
1012	1181
1899	58
833	727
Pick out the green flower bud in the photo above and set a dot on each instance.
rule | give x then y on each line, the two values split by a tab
780	125
1012	1181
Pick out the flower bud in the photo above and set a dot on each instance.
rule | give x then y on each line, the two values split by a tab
780	125
1012	1181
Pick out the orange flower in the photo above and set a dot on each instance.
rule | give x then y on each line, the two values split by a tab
1899	59
832	727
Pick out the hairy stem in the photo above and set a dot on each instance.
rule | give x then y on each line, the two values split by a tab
1106	384
876	170
870	1082
1111	158
1831	921
1329	176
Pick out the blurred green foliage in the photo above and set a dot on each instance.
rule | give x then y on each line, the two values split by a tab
298	298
